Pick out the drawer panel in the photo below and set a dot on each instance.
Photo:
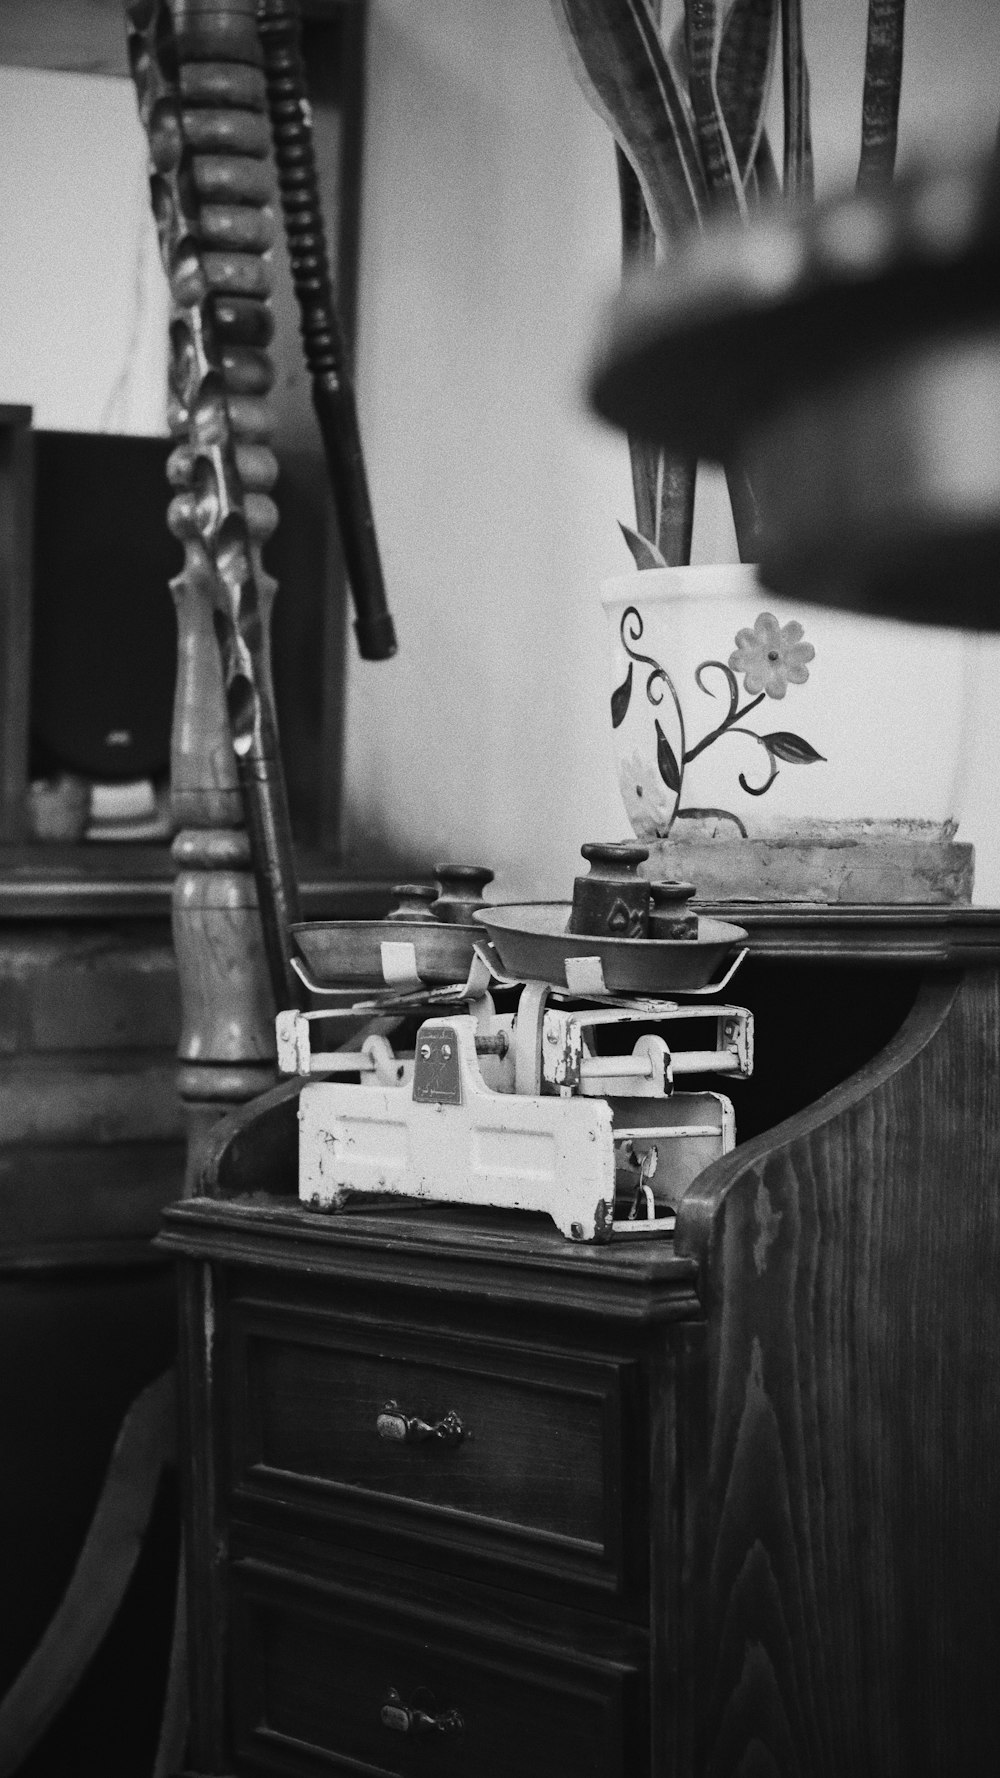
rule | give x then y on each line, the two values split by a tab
322	1678
533	1471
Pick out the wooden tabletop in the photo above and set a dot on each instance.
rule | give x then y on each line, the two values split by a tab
925	936
134	881
98	880
440	1246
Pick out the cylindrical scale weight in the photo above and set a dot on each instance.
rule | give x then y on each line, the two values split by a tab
612	900
197	66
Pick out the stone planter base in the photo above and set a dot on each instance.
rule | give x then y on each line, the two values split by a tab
845	862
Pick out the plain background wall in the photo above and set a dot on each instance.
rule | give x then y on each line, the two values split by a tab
490	240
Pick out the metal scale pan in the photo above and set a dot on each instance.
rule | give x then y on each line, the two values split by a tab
533	944
362	953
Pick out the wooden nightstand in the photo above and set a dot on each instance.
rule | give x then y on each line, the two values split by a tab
436	1522
714	1506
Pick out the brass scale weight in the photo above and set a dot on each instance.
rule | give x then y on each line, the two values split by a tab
207	72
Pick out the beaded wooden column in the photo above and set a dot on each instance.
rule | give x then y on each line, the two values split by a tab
322	337
197	69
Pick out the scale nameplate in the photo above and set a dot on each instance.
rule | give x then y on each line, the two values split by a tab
437	1078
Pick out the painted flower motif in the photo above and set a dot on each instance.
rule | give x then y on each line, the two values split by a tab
771	656
649	803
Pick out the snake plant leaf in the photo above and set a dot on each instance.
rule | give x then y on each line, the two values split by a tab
798	167
644	553
747	516
762	183
666	760
675	522
743	75
677	54
791	748
880	104
621	697
722	174
638	236
644	459
638	249
617	54
747	51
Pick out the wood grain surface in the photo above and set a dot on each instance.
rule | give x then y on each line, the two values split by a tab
314	1664
845	1604
535	1485
520	1575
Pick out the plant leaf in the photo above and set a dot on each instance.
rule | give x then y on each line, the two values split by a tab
644	461
676	517
645	554
638	249
621	698
638	237
880	105
746	511
798	168
677	49
763	184
743	75
617	54
722	174
666	760
791	748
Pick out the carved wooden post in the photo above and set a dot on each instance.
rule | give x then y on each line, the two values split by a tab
213	68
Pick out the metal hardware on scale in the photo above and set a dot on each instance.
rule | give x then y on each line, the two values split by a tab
436	1076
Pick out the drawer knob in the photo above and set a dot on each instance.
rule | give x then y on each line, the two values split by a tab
407	1429
418	1718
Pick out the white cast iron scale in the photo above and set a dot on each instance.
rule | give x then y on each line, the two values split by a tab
517	1111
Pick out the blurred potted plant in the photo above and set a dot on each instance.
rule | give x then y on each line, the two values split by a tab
687	104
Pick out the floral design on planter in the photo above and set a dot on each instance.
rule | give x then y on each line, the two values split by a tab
769	657
649	804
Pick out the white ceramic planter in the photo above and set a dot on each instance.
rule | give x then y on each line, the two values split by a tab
749	714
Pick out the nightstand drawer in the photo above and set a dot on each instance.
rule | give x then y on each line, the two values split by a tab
485	1451
328	1678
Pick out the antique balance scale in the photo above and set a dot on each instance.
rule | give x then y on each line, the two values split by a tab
568	1104
525	1108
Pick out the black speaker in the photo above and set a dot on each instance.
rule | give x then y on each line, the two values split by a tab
104	646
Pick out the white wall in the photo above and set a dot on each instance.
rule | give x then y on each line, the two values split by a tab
490	238
483	260
83	302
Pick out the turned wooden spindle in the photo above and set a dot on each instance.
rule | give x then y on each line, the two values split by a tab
203	101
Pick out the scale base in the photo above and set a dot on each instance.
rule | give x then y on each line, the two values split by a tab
552	1155
447	1136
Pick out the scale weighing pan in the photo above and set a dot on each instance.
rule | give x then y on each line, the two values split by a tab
533	944
349	952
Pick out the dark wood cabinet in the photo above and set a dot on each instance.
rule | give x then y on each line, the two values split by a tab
504	1564
719	1505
